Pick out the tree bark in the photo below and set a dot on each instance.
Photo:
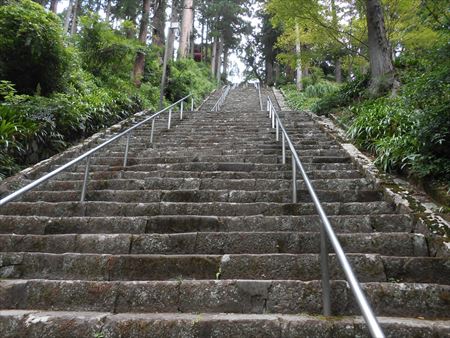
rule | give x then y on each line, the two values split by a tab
76	6
219	60
298	50
159	21
225	62
139	64
108	11
269	72
381	67
277	73
171	36
213	57
68	14
186	27
338	70
54	6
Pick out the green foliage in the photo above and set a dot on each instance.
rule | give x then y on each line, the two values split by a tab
91	90
350	92
187	76
32	54
385	127
103	49
314	90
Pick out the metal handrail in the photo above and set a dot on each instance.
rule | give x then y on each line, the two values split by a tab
87	155
326	229
225	90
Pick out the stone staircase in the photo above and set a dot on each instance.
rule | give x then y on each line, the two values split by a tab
197	238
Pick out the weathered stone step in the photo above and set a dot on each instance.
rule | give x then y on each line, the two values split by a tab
118	161
188	152
75	266
216	146
34	324
222	296
199	196
395	244
214	166
142	175
88	324
66	209
166	183
210	152
41	225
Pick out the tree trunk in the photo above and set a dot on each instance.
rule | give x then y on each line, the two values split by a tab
108	11
298	50
68	14
54	6
338	70
381	67
73	29
186	27
225	62
159	21
213	57
219	60
139	64
277	73
269	73
171	37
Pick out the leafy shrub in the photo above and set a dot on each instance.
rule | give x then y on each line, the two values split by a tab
387	128
306	99
187	76
348	94
321	89
32	54
103	49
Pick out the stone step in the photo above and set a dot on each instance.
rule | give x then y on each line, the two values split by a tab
41	225
200	196
118	161
166	183
305	267
142	175
222	296
212	166
34	324
66	209
209	152
395	244
224	147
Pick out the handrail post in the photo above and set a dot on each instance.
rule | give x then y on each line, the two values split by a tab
273	118
283	149
326	289
277	131
127	146
181	110
192	103
86	178
294	180
153	130
170	118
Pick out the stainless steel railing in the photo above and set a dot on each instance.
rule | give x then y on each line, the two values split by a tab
88	155
326	230
221	100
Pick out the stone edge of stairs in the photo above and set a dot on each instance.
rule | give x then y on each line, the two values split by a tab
16	181
404	197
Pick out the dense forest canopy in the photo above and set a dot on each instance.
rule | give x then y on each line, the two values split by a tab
70	68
